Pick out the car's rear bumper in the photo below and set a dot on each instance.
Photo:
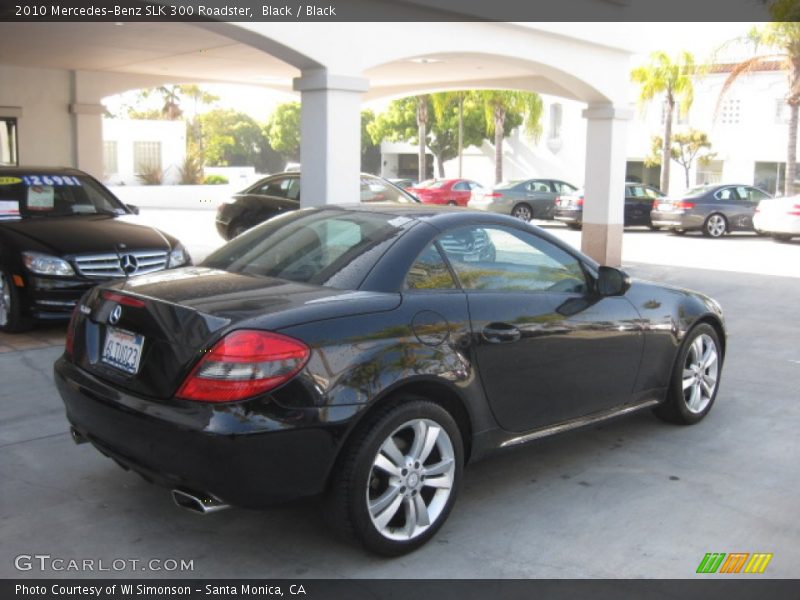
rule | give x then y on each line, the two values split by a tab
250	455
568	216
673	220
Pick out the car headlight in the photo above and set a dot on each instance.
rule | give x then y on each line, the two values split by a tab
44	264
177	257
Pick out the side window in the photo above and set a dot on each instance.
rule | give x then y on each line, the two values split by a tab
726	194
429	272
651	193
501	259
475	186
749	194
276	187
461	186
563	188
292	188
539	186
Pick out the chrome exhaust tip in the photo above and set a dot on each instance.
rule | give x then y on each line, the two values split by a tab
77	437
200	503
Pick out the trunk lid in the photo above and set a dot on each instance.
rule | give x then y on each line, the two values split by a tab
146	334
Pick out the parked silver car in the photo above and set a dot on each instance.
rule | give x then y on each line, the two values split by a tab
525	199
713	209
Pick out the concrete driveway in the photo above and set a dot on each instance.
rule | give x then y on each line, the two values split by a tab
630	498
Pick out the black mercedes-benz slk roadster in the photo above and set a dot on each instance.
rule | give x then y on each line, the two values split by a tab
364	354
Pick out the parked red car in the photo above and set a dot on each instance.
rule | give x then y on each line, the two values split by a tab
455	192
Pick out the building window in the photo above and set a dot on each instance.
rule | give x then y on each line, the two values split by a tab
110	165
709	173
8	141
146	156
556	116
731	111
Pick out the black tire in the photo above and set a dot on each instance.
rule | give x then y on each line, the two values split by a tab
356	478
677	231
780	238
523	212
715	225
11	318
676	408
452	203
654	228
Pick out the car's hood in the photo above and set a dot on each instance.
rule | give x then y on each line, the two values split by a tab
81	234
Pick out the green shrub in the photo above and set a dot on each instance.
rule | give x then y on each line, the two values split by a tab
215	180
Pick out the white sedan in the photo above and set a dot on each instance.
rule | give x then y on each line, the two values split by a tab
779	218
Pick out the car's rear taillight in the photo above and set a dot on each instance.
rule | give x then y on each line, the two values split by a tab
69	340
795	211
243	364
493	195
684	204
579	202
123	299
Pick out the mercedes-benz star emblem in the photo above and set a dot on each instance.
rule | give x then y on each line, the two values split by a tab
129	264
115	315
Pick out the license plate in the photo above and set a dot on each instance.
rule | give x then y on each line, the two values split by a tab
122	350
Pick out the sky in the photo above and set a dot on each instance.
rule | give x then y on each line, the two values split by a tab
702	39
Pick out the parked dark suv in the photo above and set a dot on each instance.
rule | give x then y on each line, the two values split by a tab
280	193
61	233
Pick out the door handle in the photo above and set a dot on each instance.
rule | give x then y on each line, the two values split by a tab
501	333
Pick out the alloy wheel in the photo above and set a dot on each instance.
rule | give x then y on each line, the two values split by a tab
716	226
411	479
522	212
700	373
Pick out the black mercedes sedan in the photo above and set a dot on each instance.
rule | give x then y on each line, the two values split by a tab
280	193
62	232
364	354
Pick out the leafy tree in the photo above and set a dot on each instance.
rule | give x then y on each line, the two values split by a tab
498	106
399	123
783	37
443	102
670	78
370	151
686	147
232	138
283	130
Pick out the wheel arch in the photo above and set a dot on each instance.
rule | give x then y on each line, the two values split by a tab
428	388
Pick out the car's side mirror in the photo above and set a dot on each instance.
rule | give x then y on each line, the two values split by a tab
133	208
612	282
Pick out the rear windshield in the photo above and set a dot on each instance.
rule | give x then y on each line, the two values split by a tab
696	191
330	247
41	195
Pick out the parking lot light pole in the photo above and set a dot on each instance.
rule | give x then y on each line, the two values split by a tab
330	137
604	200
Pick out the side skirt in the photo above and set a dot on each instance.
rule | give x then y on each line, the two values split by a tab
578	422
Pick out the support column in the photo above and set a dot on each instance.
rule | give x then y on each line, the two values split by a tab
604	199
87	138
330	137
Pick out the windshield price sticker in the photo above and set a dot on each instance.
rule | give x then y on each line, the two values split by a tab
9	208
41	197
50	180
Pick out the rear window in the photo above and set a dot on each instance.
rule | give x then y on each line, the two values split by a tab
330	247
48	195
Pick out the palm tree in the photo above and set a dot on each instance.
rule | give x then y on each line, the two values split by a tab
497	105
442	101
422	132
785	38
671	78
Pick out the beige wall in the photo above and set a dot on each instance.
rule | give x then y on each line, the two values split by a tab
44	127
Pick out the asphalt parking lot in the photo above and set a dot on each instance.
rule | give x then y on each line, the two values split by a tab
630	498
